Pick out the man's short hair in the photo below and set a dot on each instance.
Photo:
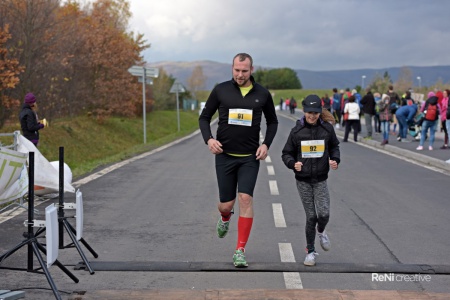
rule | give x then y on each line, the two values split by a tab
242	57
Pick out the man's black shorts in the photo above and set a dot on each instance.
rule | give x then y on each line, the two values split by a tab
236	173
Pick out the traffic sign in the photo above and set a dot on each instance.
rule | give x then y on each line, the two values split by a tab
144	73
177	87
139	71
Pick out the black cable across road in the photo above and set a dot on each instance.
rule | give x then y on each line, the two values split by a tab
170	266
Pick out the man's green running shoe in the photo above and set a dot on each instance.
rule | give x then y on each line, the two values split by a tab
222	228
239	259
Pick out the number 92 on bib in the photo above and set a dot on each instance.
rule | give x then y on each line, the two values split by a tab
314	148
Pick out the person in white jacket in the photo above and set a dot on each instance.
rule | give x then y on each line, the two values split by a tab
351	109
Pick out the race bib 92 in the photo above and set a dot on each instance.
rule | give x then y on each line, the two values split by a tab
242	117
314	148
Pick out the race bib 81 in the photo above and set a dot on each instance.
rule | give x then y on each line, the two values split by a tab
238	116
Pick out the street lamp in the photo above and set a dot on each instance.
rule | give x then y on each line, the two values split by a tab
362	80
420	81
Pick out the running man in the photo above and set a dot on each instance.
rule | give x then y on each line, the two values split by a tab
240	102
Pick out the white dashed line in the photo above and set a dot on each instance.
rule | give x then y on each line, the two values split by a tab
278	215
273	187
270	170
292	280
286	252
268	160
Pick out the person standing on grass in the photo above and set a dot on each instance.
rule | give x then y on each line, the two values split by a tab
29	122
311	149
241	102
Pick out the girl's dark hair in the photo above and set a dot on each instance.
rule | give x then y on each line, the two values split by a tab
335	90
351	98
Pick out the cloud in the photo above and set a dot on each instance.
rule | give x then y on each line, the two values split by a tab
306	34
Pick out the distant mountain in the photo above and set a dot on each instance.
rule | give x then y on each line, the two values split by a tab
218	72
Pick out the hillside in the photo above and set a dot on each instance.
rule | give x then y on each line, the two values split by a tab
218	72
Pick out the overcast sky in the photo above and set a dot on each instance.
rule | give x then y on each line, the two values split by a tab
299	34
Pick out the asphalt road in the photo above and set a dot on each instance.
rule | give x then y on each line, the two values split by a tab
159	212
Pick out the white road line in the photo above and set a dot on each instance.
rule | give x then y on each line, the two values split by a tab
268	160
292	280
278	215
286	252
6	215
270	170
273	187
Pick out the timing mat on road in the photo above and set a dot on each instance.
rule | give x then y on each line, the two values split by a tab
167	266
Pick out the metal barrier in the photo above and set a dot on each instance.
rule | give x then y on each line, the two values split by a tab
13	146
20	201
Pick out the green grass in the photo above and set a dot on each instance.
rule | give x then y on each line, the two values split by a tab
89	144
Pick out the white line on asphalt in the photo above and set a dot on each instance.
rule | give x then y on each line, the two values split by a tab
6	215
278	215
268	160
270	170
273	187
292	280
286	252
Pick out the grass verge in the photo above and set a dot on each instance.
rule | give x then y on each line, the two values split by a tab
89	145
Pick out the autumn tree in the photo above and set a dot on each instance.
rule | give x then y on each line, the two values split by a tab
111	52
76	58
9	71
196	81
31	27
